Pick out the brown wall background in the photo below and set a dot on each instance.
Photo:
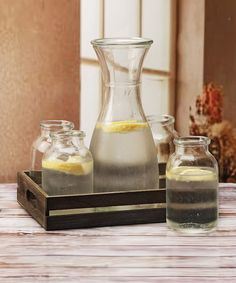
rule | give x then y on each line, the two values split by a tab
39	74
220	51
206	51
190	51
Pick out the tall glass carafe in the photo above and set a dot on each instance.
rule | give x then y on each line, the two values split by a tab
122	144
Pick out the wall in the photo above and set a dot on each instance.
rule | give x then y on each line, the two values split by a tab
220	50
190	52
39	74
206	51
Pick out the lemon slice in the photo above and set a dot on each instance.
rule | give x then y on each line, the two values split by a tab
71	166
187	173
122	126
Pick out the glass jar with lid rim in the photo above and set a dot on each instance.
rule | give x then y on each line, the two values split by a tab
162	127
67	165
192	186
44	141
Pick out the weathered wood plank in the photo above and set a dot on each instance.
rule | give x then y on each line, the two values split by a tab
119	251
106	279
51	271
119	261
113	241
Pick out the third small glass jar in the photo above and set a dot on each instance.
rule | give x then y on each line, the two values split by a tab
162	127
44	141
192	186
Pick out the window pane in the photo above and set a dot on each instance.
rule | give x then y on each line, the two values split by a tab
90	26
156	19
154	94
90	99
121	18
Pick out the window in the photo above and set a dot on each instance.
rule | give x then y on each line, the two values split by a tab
153	19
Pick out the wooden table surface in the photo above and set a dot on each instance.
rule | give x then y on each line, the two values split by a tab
138	253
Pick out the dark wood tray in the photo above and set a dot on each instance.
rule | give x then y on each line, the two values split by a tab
91	210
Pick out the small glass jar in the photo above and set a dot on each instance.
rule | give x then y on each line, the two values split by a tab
67	166
44	141
162	127
192	186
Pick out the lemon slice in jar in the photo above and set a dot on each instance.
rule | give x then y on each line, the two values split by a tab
122	126
72	166
188	173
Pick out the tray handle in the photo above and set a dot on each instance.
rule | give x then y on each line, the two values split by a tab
31	198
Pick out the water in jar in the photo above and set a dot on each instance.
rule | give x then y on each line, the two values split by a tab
38	150
67	177
124	157
192	199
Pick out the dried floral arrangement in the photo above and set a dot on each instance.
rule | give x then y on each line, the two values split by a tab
208	121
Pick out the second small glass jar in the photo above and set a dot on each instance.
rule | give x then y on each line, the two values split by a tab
162	127
44	141
192	186
67	166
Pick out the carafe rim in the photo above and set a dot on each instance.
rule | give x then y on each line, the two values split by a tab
121	42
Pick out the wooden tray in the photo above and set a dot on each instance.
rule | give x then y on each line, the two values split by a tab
91	210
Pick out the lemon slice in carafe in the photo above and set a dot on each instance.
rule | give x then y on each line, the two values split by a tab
125	126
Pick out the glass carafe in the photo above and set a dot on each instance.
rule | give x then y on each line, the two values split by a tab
122	144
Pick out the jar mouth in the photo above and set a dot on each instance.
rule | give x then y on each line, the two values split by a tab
165	120
121	41
68	134
56	125
192	141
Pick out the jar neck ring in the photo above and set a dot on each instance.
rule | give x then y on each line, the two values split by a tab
50	126
164	120
192	141
68	135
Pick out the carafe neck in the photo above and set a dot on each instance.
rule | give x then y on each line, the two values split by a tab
121	60
122	102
